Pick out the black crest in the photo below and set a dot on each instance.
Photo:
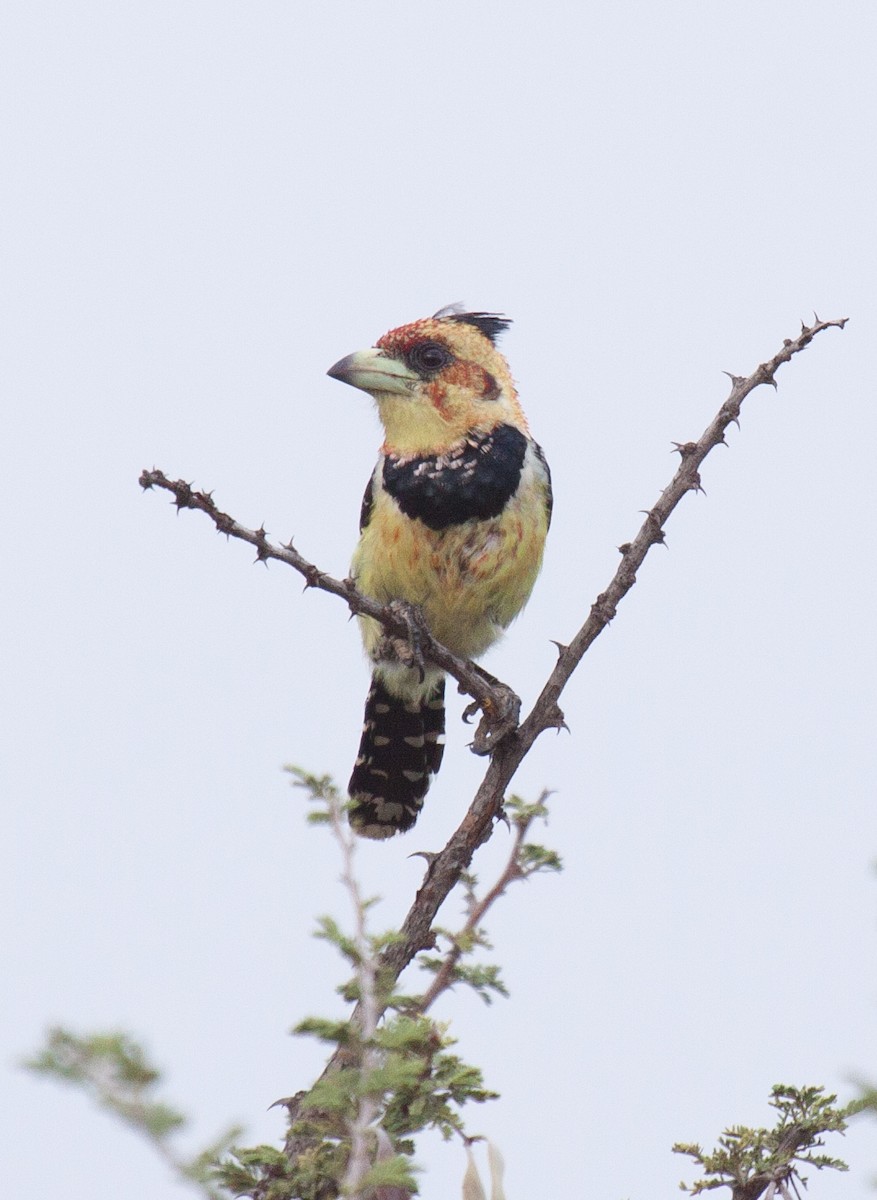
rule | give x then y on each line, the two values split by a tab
490	324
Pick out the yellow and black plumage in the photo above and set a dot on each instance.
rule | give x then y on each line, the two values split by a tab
454	520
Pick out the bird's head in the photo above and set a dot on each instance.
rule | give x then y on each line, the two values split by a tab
436	380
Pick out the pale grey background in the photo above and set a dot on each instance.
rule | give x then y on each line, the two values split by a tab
204	205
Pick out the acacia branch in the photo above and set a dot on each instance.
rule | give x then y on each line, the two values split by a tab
651	532
447	866
508	751
499	704
515	869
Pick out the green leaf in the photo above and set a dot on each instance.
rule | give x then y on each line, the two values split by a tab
397	1171
339	1033
751	1159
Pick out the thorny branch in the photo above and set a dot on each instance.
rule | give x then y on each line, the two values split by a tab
500	706
507	744
515	869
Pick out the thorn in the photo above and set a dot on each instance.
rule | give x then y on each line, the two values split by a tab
817	321
554	720
735	379
183	497
684	449
624	548
561	649
288	546
731	410
312	577
695	484
657	533
262	548
428	855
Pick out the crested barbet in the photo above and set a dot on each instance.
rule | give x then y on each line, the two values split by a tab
453	521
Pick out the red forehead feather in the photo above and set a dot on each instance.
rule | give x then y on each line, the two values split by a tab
403	336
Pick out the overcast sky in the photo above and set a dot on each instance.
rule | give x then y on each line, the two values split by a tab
203	206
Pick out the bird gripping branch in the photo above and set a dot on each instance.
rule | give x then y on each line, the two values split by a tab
454	521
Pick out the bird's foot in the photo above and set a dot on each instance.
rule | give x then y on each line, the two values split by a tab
500	715
407	650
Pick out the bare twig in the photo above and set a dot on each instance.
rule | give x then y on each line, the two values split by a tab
362	1133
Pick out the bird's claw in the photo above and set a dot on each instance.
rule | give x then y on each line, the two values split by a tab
500	717
406	650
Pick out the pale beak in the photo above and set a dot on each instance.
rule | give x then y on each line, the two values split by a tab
372	371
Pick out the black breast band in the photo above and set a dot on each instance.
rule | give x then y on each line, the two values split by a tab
474	480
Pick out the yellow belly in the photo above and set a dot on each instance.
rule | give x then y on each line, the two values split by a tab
471	580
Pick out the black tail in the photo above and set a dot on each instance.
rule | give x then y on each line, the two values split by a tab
401	748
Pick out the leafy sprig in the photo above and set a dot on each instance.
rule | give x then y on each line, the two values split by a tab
752	1161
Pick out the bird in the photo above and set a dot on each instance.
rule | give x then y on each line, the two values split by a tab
453	526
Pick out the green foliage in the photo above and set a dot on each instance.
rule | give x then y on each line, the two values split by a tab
260	1171
268	1174
405	1077
419	1083
867	1101
484	978
527	859
114	1071
407	1069
429	1085
531	857
391	1172
379	1091
749	1161
322	792
113	1068
535	858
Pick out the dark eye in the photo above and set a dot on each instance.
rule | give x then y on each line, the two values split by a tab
427	358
